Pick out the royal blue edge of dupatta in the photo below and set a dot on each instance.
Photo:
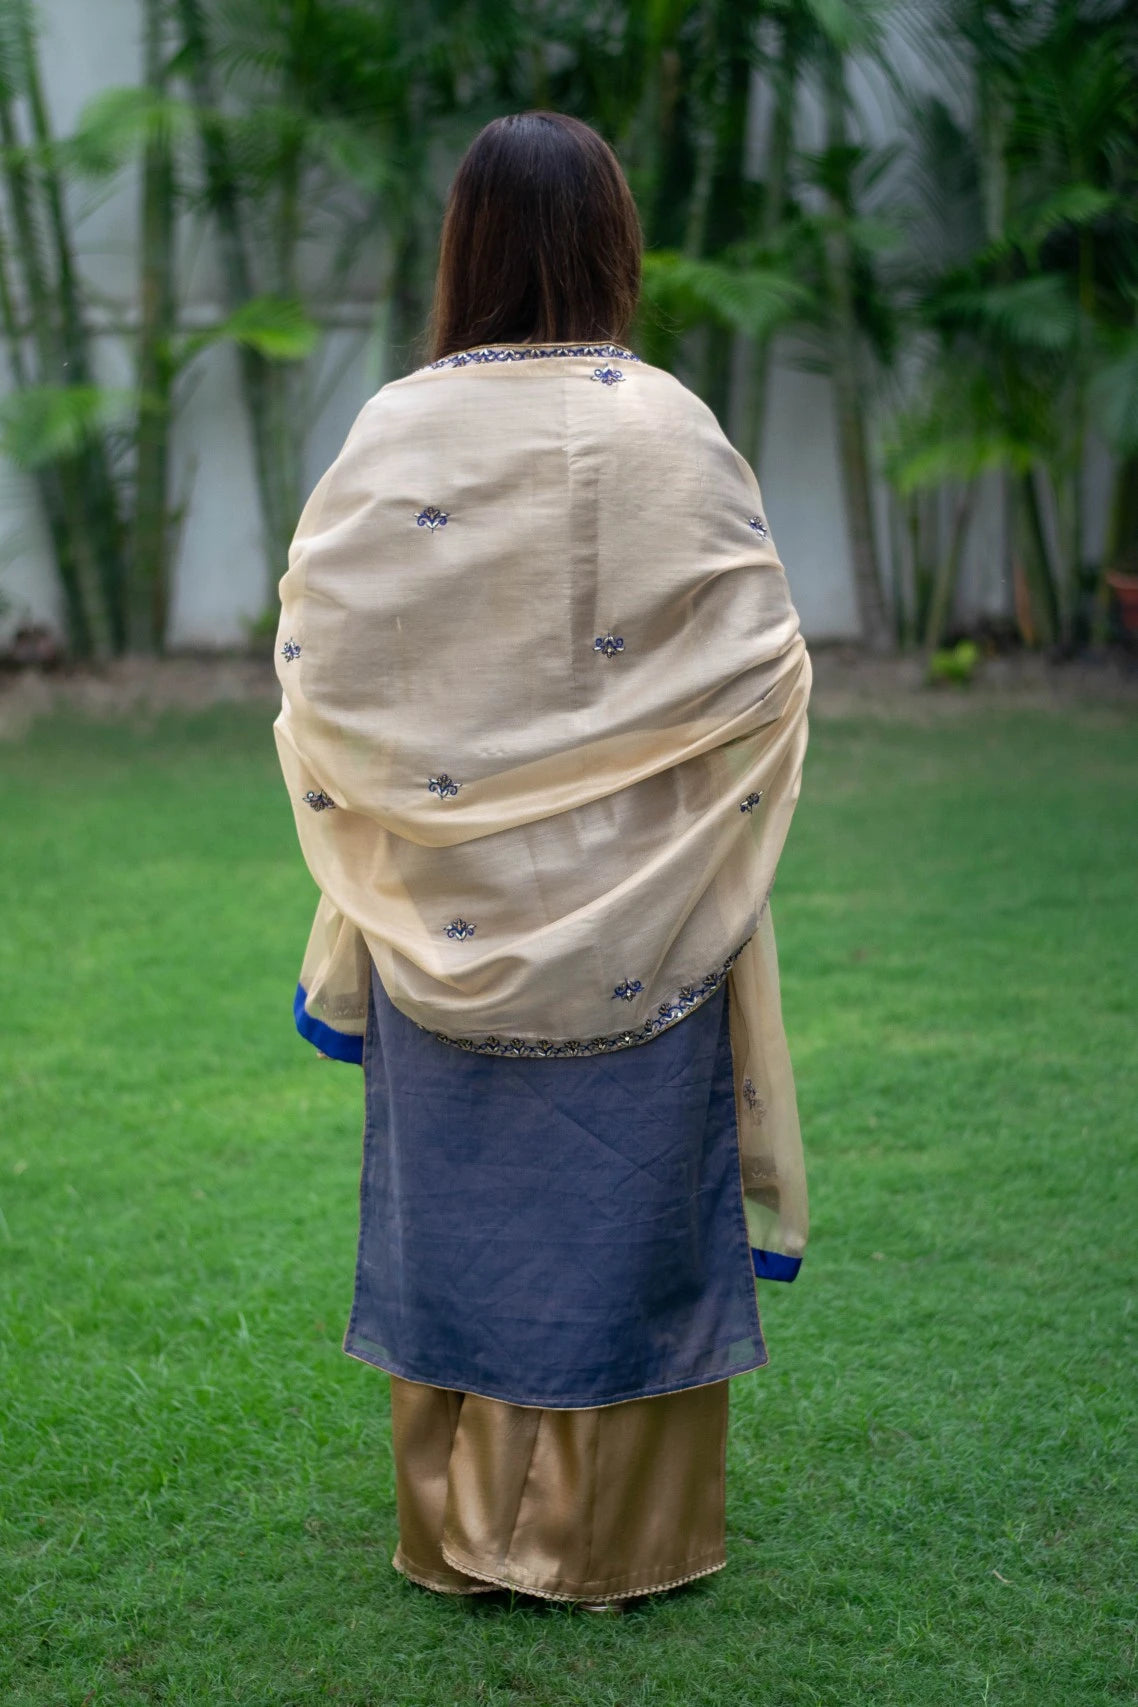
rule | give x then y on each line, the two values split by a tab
343	1046
772	1265
340	1045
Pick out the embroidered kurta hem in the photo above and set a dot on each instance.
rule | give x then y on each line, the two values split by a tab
553	1233
568	1505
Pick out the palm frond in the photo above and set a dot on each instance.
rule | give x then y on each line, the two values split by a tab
1114	396
848	26
119	125
47	423
1038	313
276	327
754	300
1074	204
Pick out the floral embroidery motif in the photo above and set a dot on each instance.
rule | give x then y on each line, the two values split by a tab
608	375
318	800
627	990
759	526
755	1104
751	802
687	999
460	930
443	785
432	518
530	353
290	650
610	644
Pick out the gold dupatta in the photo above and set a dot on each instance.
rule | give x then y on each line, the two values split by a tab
543	724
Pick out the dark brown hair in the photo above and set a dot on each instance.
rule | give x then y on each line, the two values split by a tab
540	242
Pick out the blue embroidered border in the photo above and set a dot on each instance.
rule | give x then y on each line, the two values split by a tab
529	353
340	1045
772	1265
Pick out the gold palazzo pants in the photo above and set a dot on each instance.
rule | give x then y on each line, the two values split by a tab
599	1504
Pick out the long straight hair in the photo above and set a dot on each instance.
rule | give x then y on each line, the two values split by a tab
541	240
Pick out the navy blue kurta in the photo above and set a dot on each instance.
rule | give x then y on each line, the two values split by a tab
563	1233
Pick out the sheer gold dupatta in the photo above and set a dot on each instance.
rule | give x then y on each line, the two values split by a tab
543	725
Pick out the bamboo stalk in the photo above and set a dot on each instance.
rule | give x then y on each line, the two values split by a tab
853	452
103	528
992	113
948	570
150	558
93	632
774	211
277	488
1120	552
733	95
36	292
47	480
1037	562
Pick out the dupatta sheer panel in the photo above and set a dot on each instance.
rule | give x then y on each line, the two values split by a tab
543	724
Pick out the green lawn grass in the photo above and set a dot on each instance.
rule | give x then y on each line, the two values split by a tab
932	1485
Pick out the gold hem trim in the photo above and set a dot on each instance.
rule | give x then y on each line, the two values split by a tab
583	1593
424	1581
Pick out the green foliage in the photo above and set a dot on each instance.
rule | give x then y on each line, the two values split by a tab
1114	394
278	328
754	300
957	432
43	424
970	290
1030	314
956	664
1033	303
116	126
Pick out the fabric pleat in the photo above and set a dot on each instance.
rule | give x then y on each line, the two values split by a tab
600	1504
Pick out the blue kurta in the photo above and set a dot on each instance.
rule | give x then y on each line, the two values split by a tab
562	1233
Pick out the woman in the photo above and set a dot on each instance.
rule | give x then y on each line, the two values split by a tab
543	726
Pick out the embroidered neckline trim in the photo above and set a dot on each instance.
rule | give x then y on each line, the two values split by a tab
528	352
669	1013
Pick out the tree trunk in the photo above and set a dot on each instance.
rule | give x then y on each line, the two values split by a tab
104	534
785	93
733	52
1121	549
150	559
948	571
844	344
992	108
278	484
48	480
1037	562
92	633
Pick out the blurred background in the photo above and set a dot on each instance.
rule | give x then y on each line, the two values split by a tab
893	245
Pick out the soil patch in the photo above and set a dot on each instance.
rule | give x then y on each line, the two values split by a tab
847	684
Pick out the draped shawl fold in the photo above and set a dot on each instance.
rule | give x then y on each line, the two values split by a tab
543	724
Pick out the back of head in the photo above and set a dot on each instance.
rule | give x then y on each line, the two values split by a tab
541	241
